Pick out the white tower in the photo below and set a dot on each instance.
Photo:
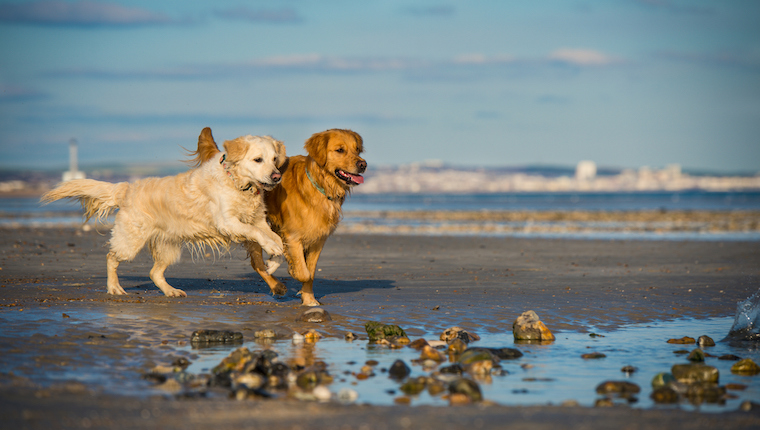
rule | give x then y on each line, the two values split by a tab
73	172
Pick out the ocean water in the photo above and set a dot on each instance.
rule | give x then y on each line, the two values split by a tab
366	213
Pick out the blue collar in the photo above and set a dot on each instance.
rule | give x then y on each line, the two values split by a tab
320	189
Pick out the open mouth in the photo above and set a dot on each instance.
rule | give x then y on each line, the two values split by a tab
349	178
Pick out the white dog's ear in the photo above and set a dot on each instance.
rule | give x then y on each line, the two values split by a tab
281	155
236	149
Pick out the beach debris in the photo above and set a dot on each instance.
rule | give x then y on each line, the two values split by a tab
686	340
593	355
399	370
747	321
697	355
377	331
691	373
314	315
745	367
216	336
453	333
528	327
704	341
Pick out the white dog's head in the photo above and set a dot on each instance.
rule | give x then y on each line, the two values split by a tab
254	161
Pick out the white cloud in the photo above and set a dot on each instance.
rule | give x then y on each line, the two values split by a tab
581	57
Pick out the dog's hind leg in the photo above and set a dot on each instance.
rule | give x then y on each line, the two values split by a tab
257	262
112	285
165	254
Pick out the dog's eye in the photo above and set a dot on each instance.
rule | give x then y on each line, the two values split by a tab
258	159
340	150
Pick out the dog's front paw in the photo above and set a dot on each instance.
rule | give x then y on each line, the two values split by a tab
274	262
272	248
175	292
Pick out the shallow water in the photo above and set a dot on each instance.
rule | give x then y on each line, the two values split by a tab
546	374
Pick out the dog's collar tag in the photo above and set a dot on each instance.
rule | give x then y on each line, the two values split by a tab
313	182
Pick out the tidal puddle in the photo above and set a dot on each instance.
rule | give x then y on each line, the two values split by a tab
546	374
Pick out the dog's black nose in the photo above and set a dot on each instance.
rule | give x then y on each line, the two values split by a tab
361	165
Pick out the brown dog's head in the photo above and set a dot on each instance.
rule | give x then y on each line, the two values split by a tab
337	151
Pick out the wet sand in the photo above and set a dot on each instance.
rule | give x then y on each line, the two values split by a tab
56	317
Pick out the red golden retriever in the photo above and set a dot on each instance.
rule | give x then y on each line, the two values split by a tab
305	208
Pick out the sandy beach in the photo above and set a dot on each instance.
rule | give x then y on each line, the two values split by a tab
56	317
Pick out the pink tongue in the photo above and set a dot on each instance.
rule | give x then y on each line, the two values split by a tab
356	178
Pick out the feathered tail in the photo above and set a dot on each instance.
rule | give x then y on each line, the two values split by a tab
98	198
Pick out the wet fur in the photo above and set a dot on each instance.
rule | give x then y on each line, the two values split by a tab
297	211
204	206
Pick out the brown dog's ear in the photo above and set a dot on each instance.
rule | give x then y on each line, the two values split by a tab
282	157
206	149
236	149
316	147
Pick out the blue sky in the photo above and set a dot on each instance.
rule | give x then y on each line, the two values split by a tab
625	83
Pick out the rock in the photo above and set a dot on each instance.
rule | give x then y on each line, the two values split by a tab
622	389
251	381
314	315
377	331
629	369
467	387
347	396
418	344
267	333
473	355
501	353
450	334
745	367
298	338
705	392
697	355
311	335
181	362
664	395
705	341
604	403
350	337
730	357
399	370
593	356
662	379
454	369
457	346
480	368
430	353
686	340
414	386
321	393
528	327
691	373
748	406
216	336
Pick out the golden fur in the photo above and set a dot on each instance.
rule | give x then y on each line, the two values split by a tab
219	202
298	211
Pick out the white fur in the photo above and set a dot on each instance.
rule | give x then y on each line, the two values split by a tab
204	206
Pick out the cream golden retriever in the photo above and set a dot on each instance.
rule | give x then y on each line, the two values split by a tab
218	202
306	208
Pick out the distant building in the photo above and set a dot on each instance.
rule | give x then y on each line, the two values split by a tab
585	170
73	172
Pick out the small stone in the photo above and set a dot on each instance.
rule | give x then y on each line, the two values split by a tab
528	327
311	335
251	381
593	356
705	341
570	403
347	396
215	336
456	399
705	392
418	344
457	346
467	387
314	315
64	315
429	353
321	393
664	395
399	370
267	333
662	379
691	373
350	336
620	388
480	368
745	367
730	357
402	400
298	338
473	355
736	387
748	406
414	386
697	355
683	341
629	369
377	331
604	403
450	334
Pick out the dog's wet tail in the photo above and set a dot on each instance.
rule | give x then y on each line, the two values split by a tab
207	148
98	198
